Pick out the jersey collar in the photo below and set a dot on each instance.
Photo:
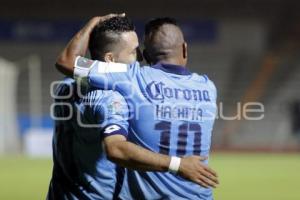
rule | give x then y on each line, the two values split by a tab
174	69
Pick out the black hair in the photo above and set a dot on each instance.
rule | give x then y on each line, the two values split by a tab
154	24
106	34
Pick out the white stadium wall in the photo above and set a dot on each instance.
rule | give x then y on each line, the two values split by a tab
9	135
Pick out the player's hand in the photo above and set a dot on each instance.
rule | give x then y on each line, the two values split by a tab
194	170
99	19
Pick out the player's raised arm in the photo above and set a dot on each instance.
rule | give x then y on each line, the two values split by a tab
78	45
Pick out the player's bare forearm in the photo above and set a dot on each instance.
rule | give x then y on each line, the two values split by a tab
78	45
134	157
131	156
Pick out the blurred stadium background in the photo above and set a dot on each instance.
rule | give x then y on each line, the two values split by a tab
250	48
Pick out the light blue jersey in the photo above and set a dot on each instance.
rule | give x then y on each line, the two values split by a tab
172	112
81	169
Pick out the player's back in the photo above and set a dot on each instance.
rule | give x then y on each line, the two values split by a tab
173	113
81	169
175	117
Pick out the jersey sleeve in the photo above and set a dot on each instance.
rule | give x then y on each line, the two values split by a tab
103	75
214	90
112	115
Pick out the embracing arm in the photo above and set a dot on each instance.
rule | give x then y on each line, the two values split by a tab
132	156
129	155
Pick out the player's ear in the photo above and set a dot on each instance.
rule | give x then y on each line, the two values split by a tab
146	56
109	57
184	50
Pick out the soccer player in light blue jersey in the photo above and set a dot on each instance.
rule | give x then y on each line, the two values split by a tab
91	126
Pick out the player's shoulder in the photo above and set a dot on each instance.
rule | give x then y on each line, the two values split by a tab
134	68
98	97
113	96
204	79
65	87
210	85
103	103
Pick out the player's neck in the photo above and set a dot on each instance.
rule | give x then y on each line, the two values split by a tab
172	62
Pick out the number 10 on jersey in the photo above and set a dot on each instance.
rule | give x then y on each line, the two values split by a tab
182	134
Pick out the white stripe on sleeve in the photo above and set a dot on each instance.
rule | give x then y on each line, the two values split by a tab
111	67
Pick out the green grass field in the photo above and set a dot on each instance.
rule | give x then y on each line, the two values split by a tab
242	177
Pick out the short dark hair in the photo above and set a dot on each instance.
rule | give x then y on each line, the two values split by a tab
154	24
105	35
